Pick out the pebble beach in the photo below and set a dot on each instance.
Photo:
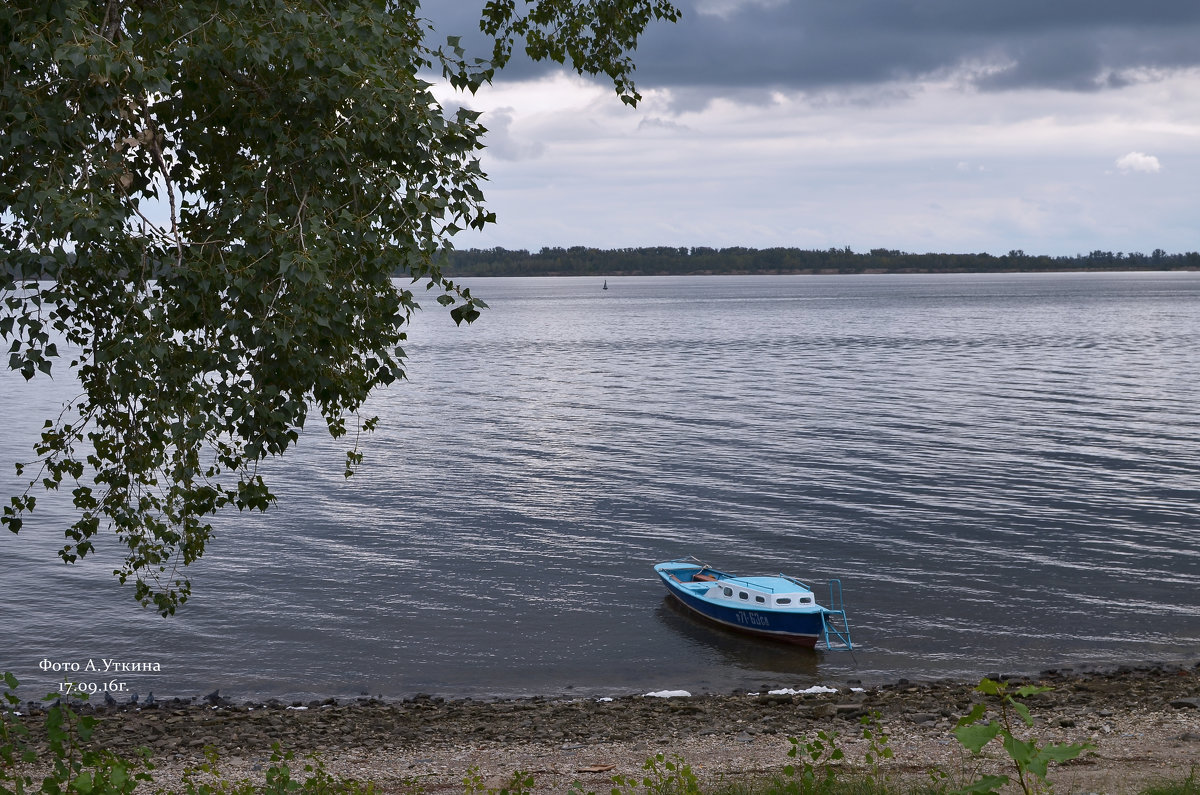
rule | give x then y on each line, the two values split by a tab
1142	722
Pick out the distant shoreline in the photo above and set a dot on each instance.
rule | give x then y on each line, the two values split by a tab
667	261
827	272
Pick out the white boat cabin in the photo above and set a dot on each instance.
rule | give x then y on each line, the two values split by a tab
759	592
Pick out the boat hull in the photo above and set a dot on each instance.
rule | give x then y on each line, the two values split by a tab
803	628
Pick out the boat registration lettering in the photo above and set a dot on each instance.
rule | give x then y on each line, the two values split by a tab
751	619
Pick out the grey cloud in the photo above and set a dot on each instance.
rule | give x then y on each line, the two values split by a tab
818	44
815	45
500	141
654	123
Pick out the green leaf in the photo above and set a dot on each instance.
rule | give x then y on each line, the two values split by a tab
83	783
1038	762
985	784
976	736
1023	711
1021	751
988	687
977	712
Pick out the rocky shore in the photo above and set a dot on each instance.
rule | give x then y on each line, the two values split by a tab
1143	721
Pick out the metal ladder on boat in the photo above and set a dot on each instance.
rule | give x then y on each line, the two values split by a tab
834	618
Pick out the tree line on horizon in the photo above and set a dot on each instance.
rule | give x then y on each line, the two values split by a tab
681	261
700	260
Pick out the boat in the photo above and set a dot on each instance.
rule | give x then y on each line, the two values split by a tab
777	607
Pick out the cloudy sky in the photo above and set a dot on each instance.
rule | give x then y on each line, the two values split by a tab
923	125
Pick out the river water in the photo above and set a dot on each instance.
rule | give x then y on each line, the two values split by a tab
1003	470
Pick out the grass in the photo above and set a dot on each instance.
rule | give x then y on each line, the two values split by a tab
849	785
1188	786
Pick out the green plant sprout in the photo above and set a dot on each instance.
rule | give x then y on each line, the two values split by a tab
1029	758
519	783
663	776
878	744
814	769
74	767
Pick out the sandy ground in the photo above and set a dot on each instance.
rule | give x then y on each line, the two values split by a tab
1144	724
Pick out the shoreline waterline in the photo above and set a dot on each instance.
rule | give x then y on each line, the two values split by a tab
1142	721
220	698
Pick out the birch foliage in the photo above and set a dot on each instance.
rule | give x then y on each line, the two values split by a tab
202	209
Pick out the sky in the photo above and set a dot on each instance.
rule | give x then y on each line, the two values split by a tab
1056	128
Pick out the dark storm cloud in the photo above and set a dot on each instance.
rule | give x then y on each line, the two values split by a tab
828	44
820	44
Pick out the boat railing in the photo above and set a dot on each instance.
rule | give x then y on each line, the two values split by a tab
794	581
754	586
834	618
744	584
759	586
692	560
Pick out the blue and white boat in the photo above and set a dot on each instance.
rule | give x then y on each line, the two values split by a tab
778	607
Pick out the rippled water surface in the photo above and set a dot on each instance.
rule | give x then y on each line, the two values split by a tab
1004	471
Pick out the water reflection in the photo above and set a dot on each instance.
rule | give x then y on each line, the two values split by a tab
737	649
